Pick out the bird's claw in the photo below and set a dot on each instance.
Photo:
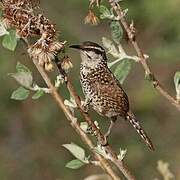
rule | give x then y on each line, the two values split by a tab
84	106
105	141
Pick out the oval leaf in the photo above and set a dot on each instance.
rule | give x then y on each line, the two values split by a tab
177	79
10	40
105	13
116	31
3	30
75	164
122	70
84	126
38	94
22	68
77	151
177	84
20	94
23	78
108	44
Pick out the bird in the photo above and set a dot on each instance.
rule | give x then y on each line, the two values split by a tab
103	91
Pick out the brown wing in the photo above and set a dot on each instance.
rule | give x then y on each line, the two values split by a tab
113	98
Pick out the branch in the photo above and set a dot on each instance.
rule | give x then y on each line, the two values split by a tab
112	155
131	35
73	121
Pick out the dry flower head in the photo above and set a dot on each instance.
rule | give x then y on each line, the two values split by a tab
20	14
94	2
66	63
91	18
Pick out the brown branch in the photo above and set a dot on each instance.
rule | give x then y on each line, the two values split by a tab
20	15
121	166
113	157
117	8
73	121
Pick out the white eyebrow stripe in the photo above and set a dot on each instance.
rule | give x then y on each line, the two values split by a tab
93	47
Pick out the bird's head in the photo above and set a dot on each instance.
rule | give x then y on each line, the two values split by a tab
91	53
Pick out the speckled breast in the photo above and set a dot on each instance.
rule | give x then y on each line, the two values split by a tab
107	97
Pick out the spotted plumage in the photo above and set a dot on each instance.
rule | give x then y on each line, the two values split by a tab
99	84
102	90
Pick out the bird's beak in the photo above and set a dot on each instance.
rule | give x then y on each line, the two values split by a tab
76	47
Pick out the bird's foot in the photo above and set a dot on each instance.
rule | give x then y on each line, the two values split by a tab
106	135
105	141
85	105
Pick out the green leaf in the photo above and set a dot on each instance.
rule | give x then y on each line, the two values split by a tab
23	78
111	48
38	94
75	164
107	43
163	168
177	79
177	84
84	126
122	70
22	68
122	154
20	94
10	40
3	30
77	151
105	13
116	31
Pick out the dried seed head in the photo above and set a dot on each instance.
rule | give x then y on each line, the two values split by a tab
56	46
49	67
45	51
94	2
91	18
19	14
43	57
66	63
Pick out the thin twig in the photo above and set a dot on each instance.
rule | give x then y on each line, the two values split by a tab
58	98
113	157
117	8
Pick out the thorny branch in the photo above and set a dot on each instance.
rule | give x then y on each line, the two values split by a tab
19	14
131	35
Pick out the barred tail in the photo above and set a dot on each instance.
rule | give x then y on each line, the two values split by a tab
134	122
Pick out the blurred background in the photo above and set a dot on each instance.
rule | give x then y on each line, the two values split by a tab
32	132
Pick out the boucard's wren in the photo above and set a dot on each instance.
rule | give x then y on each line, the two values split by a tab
102	90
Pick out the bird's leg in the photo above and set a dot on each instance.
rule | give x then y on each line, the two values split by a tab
85	104
113	120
